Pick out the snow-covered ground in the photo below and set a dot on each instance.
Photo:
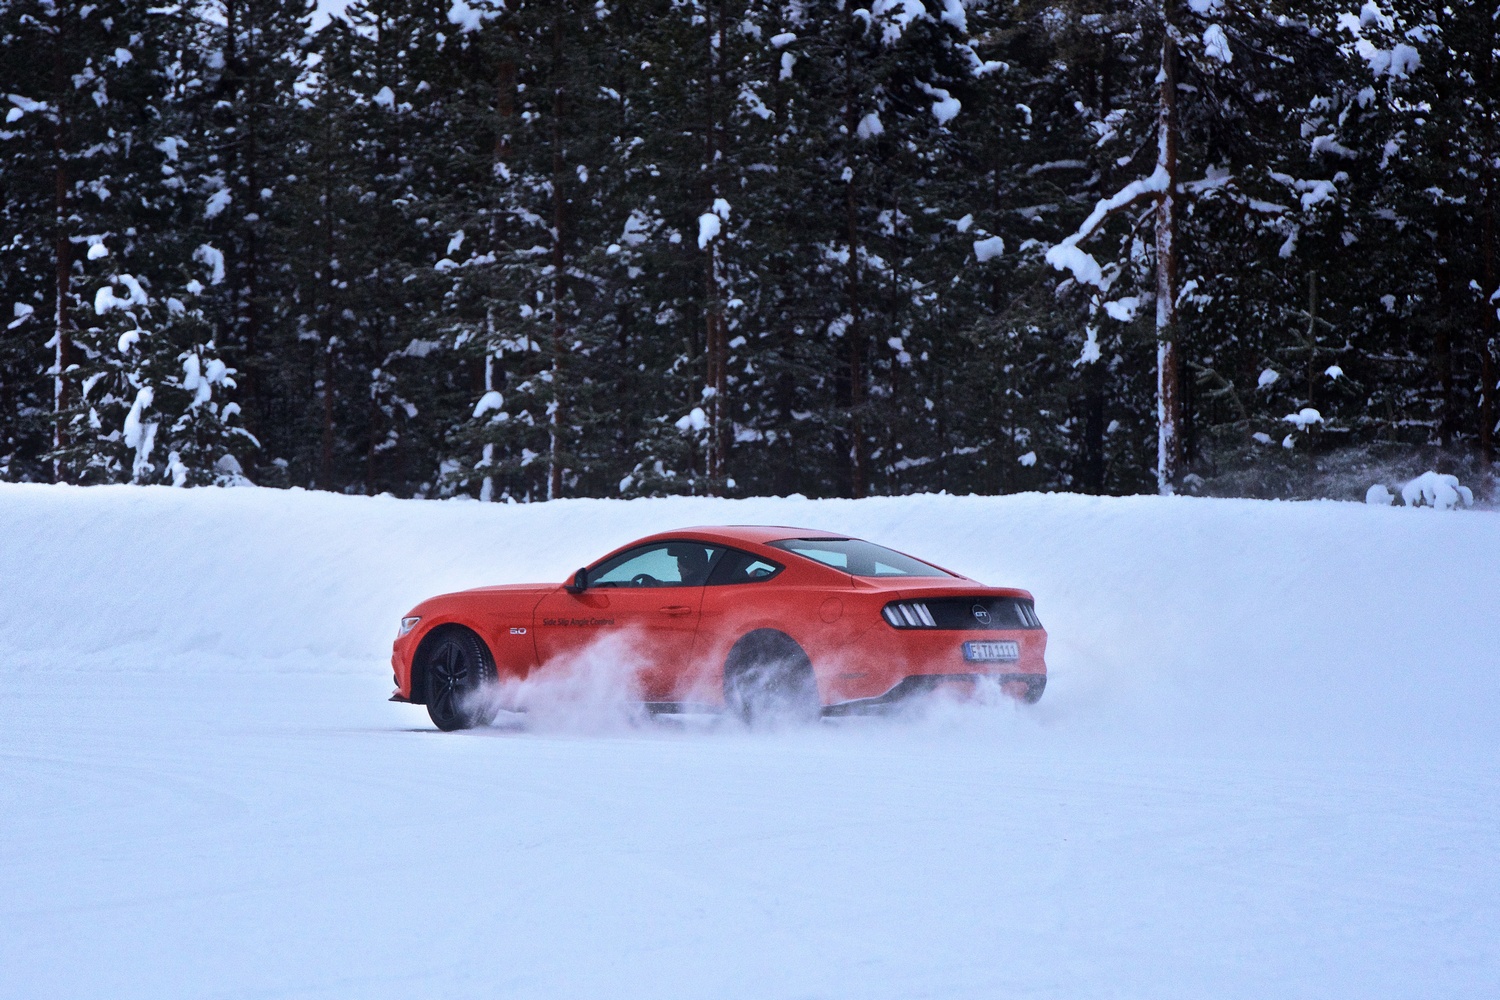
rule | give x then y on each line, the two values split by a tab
1265	766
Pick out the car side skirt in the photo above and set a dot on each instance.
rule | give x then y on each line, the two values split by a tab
681	708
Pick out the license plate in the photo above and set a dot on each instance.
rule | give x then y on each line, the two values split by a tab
989	652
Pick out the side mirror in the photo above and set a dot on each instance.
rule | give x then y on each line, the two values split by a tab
580	582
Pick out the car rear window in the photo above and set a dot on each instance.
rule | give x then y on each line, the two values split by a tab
859	558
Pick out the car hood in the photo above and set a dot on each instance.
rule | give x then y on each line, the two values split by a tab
509	597
514	588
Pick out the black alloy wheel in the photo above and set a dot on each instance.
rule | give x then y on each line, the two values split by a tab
768	680
456	668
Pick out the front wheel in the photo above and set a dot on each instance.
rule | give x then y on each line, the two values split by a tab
768	679
456	668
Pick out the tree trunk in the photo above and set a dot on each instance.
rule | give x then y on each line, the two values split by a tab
1488	295
715	349
325	450
1312	342
1490	291
858	484
505	107
1094	371
487	486
1168	402
1442	335
325	324
505	113
716	363
63	254
854	332
325	316
1093	428
559	261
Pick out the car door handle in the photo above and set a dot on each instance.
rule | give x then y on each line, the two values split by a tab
677	610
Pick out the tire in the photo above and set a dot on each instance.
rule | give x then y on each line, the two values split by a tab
1034	687
455	665
768	680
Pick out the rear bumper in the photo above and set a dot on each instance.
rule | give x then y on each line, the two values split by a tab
1029	689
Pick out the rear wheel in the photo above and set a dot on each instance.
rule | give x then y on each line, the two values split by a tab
456	666
768	679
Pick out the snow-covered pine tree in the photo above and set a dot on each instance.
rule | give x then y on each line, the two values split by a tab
1221	99
134	371
507	250
824	295
60	157
155	396
965	336
517	234
228	157
693	159
1422	144
1071	405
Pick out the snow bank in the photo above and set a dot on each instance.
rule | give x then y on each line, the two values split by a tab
1264	766
1436	489
1183	614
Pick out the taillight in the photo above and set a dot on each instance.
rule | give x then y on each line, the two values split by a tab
908	614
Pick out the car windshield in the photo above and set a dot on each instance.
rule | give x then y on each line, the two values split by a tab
858	557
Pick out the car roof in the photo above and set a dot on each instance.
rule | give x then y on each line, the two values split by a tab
748	534
751	533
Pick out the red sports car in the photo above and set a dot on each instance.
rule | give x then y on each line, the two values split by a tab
762	621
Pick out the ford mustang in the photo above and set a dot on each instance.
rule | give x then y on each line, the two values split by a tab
764	622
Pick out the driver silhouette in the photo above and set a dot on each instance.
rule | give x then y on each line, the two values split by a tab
692	563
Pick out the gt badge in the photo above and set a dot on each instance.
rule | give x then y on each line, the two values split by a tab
981	614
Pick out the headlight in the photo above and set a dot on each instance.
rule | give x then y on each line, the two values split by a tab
407	624
908	614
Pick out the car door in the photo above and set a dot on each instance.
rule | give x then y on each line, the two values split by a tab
639	613
737	599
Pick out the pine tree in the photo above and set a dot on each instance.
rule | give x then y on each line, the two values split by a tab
522	250
1222	98
122	343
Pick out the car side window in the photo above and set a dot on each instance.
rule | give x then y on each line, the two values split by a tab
662	564
742	567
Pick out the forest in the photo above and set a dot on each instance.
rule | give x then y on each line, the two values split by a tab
521	250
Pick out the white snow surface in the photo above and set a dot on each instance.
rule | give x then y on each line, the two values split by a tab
1265	765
